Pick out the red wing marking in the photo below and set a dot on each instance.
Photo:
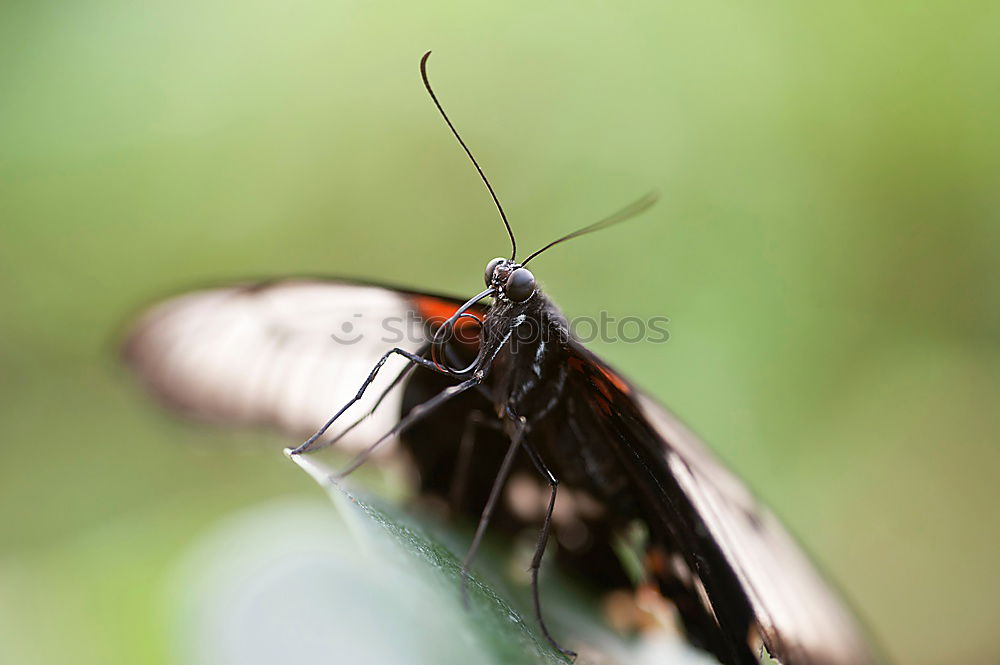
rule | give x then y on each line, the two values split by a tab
615	380
603	379
438	310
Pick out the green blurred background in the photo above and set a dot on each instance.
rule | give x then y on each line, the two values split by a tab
827	248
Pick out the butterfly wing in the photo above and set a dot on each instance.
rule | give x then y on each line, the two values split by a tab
288	354
285	354
755	585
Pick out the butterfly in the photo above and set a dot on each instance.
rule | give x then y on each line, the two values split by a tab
492	394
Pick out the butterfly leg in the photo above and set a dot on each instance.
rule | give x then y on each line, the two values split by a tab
491	503
411	357
474	421
415	414
543	539
395	382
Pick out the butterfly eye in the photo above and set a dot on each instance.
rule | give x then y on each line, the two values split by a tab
491	268
520	285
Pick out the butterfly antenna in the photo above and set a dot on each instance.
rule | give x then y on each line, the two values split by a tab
626	213
503	216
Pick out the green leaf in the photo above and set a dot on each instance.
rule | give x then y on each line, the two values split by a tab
412	560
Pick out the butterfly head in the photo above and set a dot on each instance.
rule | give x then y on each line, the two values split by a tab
509	280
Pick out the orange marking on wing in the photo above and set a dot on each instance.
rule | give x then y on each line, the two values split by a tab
616	380
596	380
436	311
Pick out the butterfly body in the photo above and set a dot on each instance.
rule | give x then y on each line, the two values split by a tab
581	420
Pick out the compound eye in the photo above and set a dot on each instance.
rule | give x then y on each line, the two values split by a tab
520	285
491	268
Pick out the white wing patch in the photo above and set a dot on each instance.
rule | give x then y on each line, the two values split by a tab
801	620
287	355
